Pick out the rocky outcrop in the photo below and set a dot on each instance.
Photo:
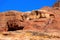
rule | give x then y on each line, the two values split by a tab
39	23
43	19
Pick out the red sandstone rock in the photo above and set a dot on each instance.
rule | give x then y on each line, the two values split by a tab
45	20
35	20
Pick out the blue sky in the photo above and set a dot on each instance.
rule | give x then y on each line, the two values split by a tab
24	5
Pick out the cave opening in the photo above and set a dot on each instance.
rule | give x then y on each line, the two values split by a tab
14	26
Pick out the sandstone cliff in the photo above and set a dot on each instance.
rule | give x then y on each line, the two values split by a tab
45	20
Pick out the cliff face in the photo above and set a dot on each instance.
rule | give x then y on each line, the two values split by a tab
47	19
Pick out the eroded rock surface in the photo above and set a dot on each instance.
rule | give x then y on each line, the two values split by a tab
45	20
